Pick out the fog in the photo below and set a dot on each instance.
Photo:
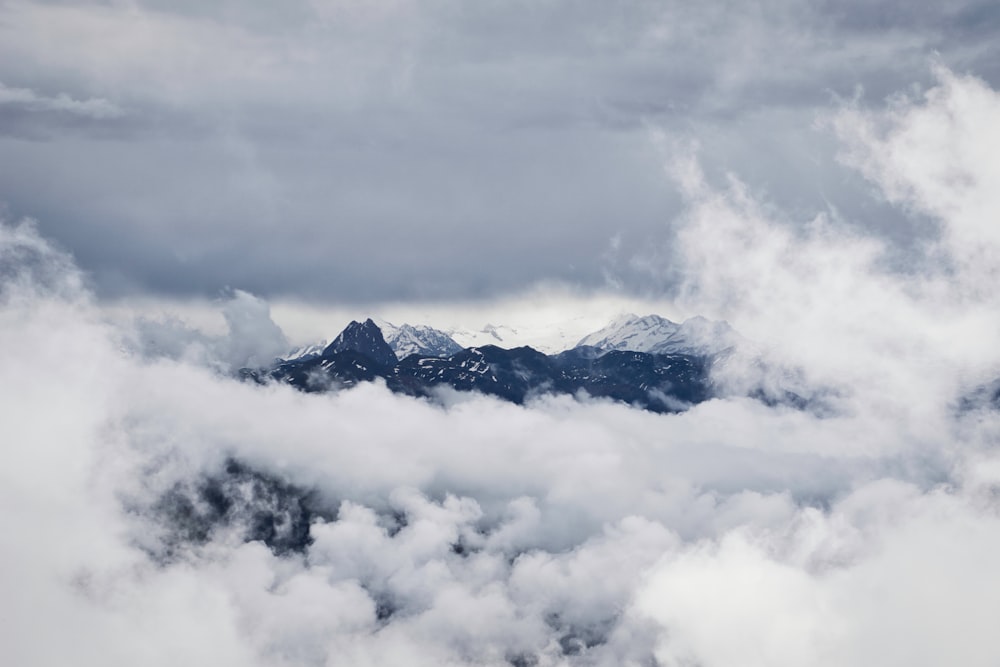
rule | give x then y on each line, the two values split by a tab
564	532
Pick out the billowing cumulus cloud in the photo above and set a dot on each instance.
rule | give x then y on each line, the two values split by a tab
252	338
159	511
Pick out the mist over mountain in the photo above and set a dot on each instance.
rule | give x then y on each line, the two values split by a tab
367	523
659	335
806	473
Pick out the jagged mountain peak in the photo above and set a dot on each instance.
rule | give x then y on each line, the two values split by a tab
404	340
409	339
364	338
648	361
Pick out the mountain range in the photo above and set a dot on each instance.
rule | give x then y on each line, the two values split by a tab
404	340
648	362
629	332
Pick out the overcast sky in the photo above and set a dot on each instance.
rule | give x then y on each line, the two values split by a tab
347	151
825	179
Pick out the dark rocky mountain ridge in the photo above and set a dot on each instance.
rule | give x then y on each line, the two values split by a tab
656	382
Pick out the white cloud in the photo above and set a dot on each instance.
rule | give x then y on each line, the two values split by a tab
934	154
251	338
562	532
824	296
907	585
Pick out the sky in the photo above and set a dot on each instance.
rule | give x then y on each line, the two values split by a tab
351	152
825	177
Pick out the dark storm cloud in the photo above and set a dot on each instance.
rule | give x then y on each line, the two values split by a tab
349	150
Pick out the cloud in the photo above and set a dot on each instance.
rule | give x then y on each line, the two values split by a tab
481	532
96	108
901	584
932	155
252	338
825	296
279	149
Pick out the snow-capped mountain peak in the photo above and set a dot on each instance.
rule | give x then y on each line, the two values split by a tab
410	339
403	340
658	335
631	332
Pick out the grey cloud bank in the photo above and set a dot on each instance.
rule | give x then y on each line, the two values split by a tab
562	532
346	151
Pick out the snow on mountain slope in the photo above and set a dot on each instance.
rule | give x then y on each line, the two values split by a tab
305	351
651	333
659	335
404	340
501	336
410	339
631	332
549	338
698	335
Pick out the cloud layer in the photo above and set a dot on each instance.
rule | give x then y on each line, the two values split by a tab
343	151
560	533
